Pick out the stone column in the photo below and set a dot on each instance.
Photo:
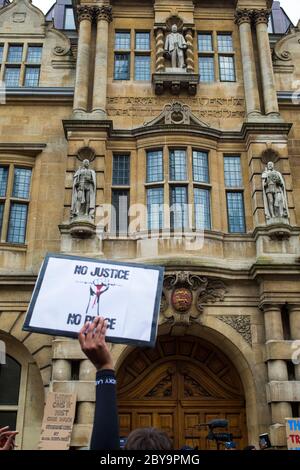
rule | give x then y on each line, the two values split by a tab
294	312
277	369
61	370
261	19
85	18
190	65
159	56
104	17
243	19
86	409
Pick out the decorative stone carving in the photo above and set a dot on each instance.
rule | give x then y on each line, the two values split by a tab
85	12
84	193
190	63
176	113
240	323
243	16
159	61
274	195
86	153
261	16
104	12
184	289
175	46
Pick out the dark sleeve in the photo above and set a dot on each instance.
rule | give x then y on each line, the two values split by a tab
105	434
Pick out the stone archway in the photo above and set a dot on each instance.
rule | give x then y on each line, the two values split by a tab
183	382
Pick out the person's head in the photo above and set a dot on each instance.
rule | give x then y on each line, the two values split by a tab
86	163
148	439
174	28
270	166
249	448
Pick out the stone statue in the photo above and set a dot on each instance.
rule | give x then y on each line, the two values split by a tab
274	192
174	46
84	192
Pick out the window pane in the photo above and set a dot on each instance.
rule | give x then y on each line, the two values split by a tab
227	71
142	67
205	42
155	201
178	165
1	52
225	43
121	164
32	76
8	418
17	223
154	166
207	69
142	41
3	180
122	69
69	19
34	54
200	167
202	208
179	208
15	54
233	172
22	179
120	202
235	210
122	41
12	76
10	375
1	215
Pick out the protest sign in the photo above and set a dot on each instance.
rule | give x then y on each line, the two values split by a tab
72	290
293	433
58	421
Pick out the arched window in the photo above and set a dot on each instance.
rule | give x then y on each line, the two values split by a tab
10	378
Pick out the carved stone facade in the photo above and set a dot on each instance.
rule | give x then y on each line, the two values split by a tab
230	306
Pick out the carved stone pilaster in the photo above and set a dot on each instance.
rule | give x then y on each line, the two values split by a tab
190	64
240	323
159	59
103	12
261	16
243	16
85	12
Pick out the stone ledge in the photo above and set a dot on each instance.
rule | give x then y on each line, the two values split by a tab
67	349
278	350
175	82
283	391
85	390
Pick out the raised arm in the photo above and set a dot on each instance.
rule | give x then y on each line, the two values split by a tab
105	435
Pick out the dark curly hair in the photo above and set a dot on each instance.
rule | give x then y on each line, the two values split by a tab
148	439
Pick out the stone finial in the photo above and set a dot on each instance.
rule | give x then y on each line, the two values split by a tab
85	12
104	12
261	16
243	16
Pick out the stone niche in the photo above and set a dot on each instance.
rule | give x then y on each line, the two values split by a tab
174	64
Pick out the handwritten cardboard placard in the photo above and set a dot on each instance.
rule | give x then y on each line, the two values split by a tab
71	290
58	421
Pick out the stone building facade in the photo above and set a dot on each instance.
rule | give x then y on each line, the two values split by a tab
100	86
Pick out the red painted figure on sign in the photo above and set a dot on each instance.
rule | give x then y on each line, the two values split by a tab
96	290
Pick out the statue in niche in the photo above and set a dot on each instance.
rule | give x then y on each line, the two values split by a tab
175	46
84	192
274	193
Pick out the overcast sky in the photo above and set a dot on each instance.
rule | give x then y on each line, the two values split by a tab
291	7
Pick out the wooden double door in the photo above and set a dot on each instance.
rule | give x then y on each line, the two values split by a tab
179	386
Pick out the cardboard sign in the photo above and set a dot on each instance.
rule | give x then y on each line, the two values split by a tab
71	290
58	421
293	433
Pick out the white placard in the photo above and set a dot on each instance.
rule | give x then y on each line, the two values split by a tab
72	290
